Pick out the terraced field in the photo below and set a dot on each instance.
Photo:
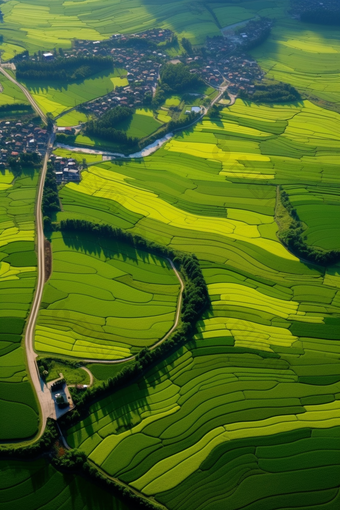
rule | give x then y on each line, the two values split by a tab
18	406
247	414
104	302
37	485
318	209
261	376
303	56
38	25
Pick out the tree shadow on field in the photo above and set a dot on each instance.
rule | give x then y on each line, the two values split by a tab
87	495
39	477
100	247
126	406
164	367
215	120
42	86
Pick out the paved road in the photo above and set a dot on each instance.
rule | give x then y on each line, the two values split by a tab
27	94
43	393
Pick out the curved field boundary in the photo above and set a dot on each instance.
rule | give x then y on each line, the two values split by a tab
165	337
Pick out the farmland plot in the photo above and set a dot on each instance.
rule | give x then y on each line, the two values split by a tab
104	302
59	98
262	371
319	209
11	94
305	56
42	26
37	485
17	283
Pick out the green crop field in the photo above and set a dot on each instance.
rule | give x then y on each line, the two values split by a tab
37	485
72	118
262	370
304	56
319	210
10	94
246	413
104	302
141	125
37	25
17	282
60	98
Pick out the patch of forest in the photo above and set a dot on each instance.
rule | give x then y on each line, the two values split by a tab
272	92
105	126
63	69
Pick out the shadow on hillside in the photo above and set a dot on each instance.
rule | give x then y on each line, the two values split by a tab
91	244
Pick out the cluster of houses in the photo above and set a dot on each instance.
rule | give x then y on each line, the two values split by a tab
141	61
219	65
132	96
300	6
17	137
65	169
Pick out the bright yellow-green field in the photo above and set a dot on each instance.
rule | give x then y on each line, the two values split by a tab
43	26
10	94
305	56
72	118
56	100
100	182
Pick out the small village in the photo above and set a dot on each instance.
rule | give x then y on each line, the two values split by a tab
17	137
139	58
221	60
300	6
65	169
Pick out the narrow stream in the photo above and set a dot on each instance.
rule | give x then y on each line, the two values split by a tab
150	149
